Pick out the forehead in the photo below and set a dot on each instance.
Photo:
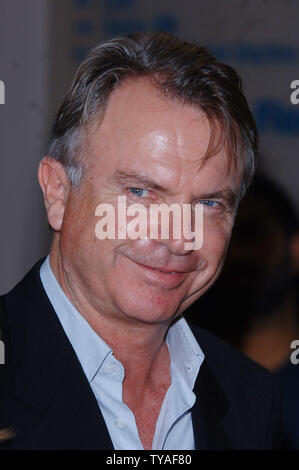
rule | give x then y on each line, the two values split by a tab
142	128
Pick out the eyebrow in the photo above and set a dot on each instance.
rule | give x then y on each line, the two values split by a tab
129	177
229	196
132	178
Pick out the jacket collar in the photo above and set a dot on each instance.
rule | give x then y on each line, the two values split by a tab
208	412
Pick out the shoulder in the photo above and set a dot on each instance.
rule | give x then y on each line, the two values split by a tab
252	393
234	371
24	293
21	309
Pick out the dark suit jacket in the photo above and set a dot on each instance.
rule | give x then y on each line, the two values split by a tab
47	398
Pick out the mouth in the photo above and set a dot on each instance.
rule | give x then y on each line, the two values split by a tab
163	277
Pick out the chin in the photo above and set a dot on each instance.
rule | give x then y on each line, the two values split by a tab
154	310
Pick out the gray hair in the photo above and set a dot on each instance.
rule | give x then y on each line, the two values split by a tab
181	70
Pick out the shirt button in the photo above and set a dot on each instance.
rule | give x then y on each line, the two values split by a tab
120	424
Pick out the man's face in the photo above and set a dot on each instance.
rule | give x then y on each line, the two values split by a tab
150	150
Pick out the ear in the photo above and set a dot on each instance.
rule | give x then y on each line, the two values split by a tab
55	186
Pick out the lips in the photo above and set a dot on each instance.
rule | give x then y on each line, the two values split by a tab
158	257
164	270
163	277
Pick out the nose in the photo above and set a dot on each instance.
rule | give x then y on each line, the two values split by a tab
177	246
180	228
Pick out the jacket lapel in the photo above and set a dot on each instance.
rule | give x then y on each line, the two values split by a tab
73	420
208	412
48	375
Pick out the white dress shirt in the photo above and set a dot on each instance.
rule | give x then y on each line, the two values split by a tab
174	430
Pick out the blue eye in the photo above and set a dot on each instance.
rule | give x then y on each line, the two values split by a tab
209	203
138	191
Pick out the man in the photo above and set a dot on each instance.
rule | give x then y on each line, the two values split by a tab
98	354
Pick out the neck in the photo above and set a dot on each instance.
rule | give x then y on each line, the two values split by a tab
139	346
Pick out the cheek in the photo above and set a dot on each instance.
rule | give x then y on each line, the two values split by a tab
77	237
216	237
